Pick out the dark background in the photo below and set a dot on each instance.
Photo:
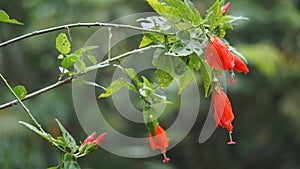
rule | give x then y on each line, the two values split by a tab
265	102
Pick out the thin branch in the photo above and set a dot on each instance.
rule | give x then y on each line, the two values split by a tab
98	24
43	90
22	104
88	69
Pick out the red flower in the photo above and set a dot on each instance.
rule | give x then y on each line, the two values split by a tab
99	139
160	141
240	66
225	8
91	139
218	56
223	114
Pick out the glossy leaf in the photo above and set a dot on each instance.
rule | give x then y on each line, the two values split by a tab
20	91
5	18
62	44
67	136
114	87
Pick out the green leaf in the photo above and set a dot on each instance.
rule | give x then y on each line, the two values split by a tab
149	38
20	91
194	12
194	62
169	12
62	44
114	87
81	66
69	163
69	60
164	78
5	18
68	137
206	75
184	36
88	83
133	75
150	119
54	167
179	49
184	80
92	58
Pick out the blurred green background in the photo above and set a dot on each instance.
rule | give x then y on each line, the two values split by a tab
266	102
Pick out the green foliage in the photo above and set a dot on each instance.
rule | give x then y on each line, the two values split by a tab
206	76
63	45
67	137
20	91
114	87
5	18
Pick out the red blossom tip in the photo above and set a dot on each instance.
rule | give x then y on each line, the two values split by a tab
166	159
230	139
90	138
100	139
240	66
225	8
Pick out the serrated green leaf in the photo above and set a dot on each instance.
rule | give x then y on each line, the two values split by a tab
114	87
68	137
81	65
69	61
20	91
206	75
5	18
62	44
150	119
196	15
164	78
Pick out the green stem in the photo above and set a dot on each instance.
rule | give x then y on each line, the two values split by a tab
109	42
22	104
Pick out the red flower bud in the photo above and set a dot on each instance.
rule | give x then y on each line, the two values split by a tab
99	139
223	114
160	141
218	56
225	8
240	66
90	138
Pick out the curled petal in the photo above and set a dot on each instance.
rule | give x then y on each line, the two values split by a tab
100	139
160	141
225	8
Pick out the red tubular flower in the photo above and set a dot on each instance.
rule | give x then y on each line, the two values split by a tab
223	114
90	138
218	56
160	141
225	8
240	66
99	139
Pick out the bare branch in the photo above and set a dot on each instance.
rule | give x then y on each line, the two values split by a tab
98	24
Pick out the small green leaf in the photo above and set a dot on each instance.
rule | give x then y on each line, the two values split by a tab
194	62
114	87
5	18
81	66
150	119
169	12
69	61
20	91
195	13
206	75
164	78
62	44
68	137
132	74
69	163
92	58
88	83
184	80
179	49
184	36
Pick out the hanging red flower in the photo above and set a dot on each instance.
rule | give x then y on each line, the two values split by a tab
225	8
240	66
160	141
218	56
223	114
